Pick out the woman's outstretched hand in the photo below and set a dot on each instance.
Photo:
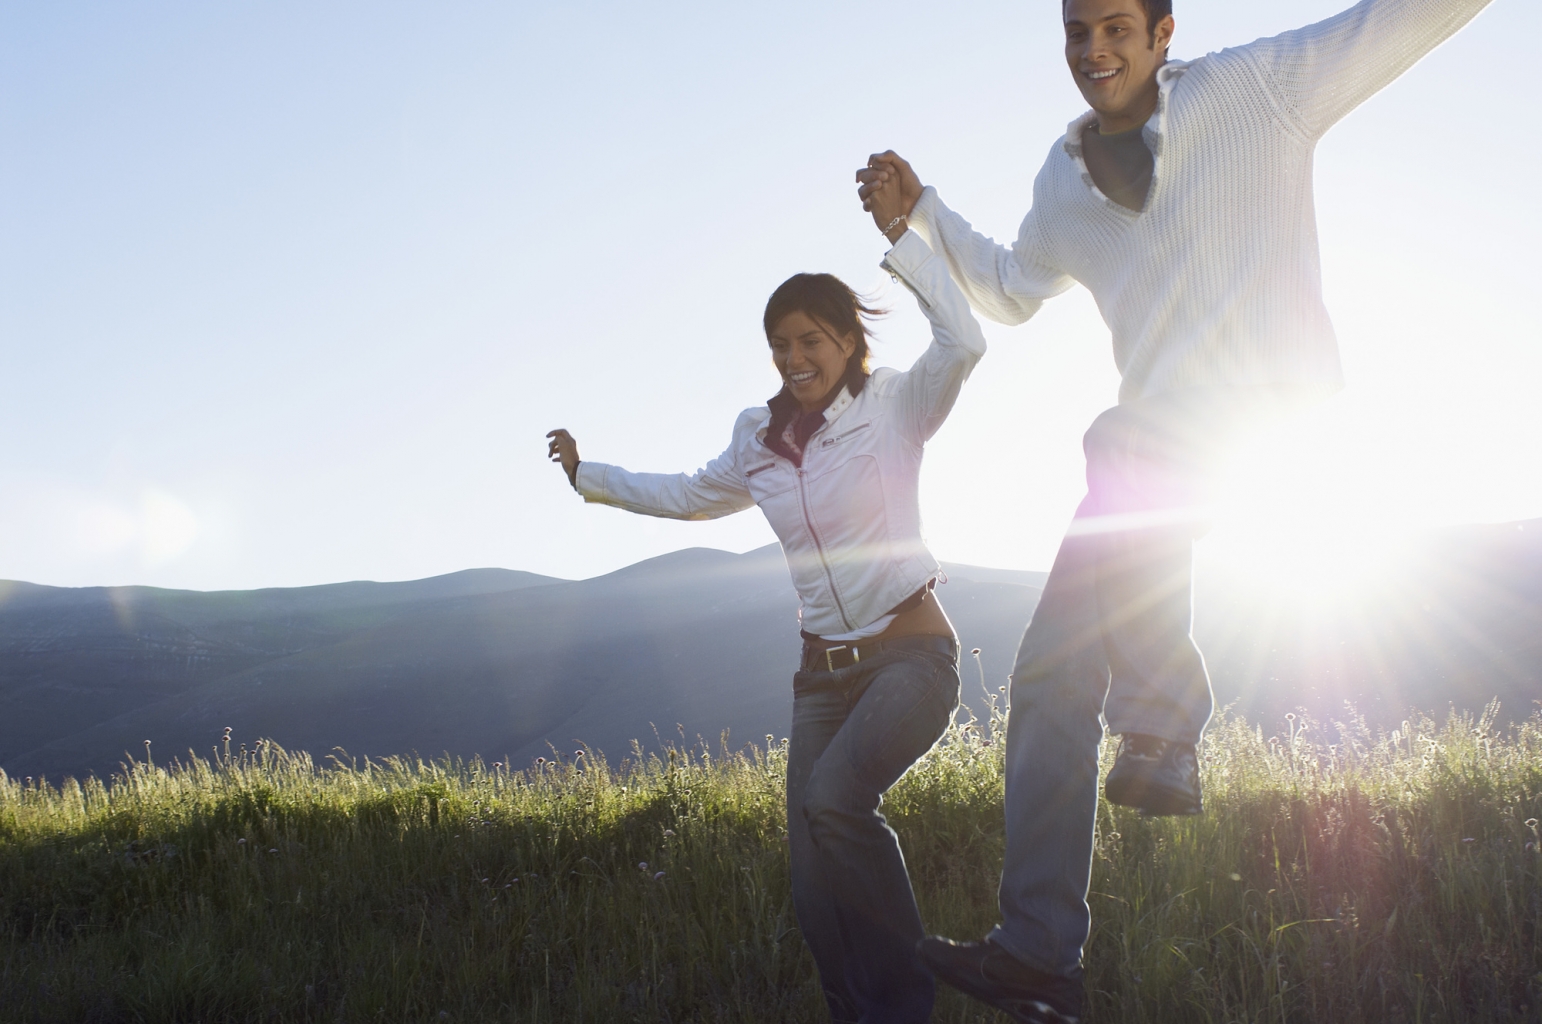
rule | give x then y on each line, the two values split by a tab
564	449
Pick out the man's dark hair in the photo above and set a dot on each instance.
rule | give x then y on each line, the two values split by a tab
1155	10
829	300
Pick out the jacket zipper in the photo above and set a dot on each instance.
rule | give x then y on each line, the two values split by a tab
808	520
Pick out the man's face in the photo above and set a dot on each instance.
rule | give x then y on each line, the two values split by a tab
1109	49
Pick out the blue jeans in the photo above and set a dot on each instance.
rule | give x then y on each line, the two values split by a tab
855	731
1111	640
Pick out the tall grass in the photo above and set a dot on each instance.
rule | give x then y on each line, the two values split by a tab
1390	878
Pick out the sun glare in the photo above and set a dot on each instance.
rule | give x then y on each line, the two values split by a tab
1303	509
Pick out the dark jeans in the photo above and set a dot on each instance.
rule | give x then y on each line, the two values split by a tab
1110	637
855	731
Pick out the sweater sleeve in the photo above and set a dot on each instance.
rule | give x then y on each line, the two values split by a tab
717	489
926	392
1323	71
1006	285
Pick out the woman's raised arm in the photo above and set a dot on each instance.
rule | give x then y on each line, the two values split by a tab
929	388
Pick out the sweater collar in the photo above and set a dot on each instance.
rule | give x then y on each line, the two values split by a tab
1167	76
1152	133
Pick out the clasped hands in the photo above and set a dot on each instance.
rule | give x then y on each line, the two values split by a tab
889	190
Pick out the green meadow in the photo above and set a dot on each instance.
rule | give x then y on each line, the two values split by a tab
1390	877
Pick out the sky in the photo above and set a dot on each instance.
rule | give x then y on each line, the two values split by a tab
291	292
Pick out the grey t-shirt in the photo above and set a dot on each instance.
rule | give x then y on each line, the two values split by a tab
1120	164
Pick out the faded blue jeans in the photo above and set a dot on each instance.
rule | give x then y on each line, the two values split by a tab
855	731
1110	640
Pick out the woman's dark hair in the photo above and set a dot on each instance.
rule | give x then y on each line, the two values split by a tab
827	299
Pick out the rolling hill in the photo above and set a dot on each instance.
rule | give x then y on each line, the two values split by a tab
511	665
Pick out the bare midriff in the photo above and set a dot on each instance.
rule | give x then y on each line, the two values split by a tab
925	619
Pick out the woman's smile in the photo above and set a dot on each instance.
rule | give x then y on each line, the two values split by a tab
809	356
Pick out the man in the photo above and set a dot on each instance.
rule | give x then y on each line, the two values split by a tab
1183	201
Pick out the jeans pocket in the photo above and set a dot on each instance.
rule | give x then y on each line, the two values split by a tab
905	710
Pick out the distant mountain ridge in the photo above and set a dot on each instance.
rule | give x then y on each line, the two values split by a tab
71	658
509	664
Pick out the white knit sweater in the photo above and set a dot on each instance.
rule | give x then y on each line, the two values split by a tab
1217	281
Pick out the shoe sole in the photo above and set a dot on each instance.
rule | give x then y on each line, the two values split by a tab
1156	801
1021	1009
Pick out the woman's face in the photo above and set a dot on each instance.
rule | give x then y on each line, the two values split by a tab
810	358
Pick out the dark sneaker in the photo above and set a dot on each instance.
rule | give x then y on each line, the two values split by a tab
992	975
1156	776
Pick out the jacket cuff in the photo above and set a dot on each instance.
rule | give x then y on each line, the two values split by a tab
590	481
907	260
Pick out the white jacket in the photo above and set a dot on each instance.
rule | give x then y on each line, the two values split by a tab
849	519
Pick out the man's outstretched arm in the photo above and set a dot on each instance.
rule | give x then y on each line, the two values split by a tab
1007	285
1323	71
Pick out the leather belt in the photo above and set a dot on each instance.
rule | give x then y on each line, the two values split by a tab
831	659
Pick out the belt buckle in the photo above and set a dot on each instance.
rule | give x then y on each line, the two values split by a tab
830	661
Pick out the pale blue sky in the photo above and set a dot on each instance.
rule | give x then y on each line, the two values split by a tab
289	292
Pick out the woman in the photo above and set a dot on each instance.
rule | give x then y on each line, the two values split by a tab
833	461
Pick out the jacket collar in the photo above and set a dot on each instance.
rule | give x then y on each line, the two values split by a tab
784	407
787	413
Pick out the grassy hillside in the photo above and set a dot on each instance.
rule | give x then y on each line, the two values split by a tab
1393	878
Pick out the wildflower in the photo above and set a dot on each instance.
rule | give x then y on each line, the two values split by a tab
1234	877
642	865
658	876
1469	839
484	881
669	833
975	652
577	754
273	850
241	841
540	760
